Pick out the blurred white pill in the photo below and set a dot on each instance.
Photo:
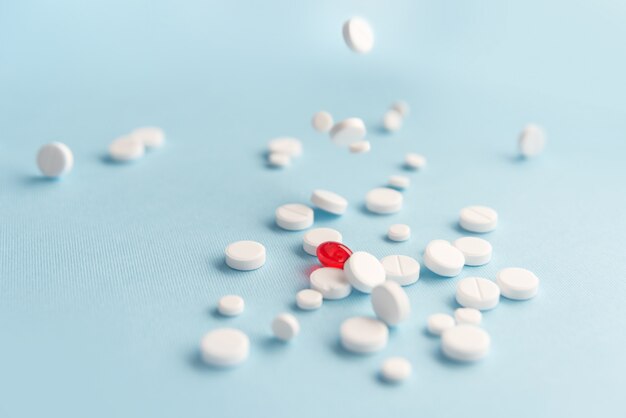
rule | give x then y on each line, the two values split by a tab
231	305
322	121
329	201
383	200
149	136
331	283
401	107
414	161
476	251
294	216
55	159
225	347
532	140
517	283
468	316
126	148
401	269
478	219
465	343
313	238
309	299
392	120
285	327
399	232
360	147
364	335
278	159
390	303
399	182
443	259
396	369
348	131
358	35
285	145
245	255
439	322
478	293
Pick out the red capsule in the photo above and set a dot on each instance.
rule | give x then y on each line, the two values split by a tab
333	254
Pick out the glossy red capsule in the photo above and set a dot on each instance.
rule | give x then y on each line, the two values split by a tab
333	254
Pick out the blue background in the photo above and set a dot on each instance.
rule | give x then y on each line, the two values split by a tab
109	278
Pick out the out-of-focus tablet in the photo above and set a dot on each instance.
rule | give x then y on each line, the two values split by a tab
478	293
479	219
399	232
363	335
415	161
439	322
395	369
149	136
285	327
392	120
126	148
225	347
402	269
277	159
231	305
364	271
358	35
322	121
517	283
329	201
468	316
390	303
316	236
360	147
309	299
402	107
383	200
285	145
465	343
332	283
294	216
245	255
476	251
443	259
399	182
348	131
55	159
532	140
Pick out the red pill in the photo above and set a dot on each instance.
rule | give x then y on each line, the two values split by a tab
333	254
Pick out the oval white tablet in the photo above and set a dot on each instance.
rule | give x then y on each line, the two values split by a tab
277	159
383	200
149	136
348	131
364	271
476	251
358	35
396	369
517	283
399	232
245	255
313	238
294	216
402	107
479	219
532	140
443	259
331	283
415	161
309	299
390	303
126	148
55	159
392	120
363	335
360	147
465	343
329	201
285	327
231	305
285	145
478	293
439	322
322	121
399	182
225	347
402	269
468	316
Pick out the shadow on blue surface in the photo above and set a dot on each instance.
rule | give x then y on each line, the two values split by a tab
34	180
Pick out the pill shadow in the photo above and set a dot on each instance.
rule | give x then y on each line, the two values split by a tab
323	216
194	360
450	363
339	350
34	180
515	158
271	344
457	228
298	250
214	313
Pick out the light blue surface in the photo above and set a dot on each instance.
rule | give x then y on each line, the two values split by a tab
109	278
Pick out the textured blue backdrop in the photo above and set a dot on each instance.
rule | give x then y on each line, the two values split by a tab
109	278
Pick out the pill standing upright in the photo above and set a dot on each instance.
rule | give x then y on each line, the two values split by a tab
55	160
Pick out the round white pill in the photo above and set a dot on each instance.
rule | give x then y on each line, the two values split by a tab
286	145
285	327
383	200
364	271
402	269
309	299
331	283
390	303
402	107
348	131
231	305
465	343
360	147
478	293
313	238
399	232
439	322
55	159
364	335
392	120
399	182
478	219
149	136
395	369
415	161
294	216
468	316
322	121
126	148
277	159
517	283
476	251
532	141
329	201
443	259
225	347
358	35
245	255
